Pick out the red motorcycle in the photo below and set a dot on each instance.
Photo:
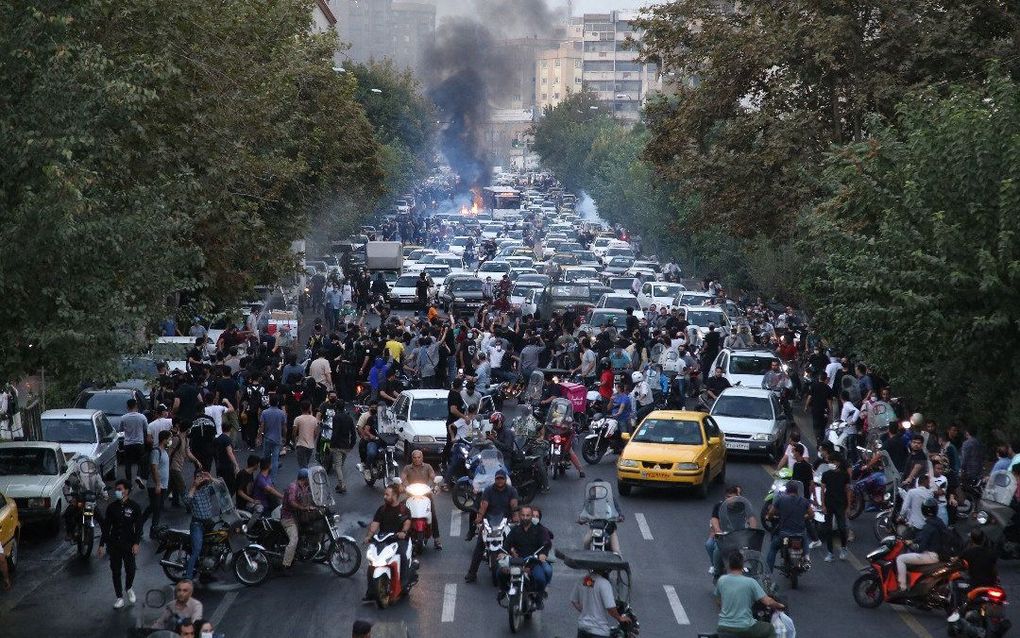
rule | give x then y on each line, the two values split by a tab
928	586
981	612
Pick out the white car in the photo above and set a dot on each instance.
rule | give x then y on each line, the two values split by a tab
690	298
419	419
495	269
415	256
700	316
455	262
520	291
660	293
33	473
415	267
520	261
573	274
744	367
491	231
752	420
598	317
438	273
457	245
620	301
83	431
405	290
601	245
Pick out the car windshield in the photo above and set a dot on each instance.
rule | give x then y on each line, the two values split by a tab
586	255
495	266
578	292
742	407
750	365
418	254
27	462
599	319
427	259
521	290
429	409
666	290
702	318
465	285
542	280
620	303
621	284
437	271
690	299
172	351
407	281
669	431
452	262
601	242
459	241
110	403
68	430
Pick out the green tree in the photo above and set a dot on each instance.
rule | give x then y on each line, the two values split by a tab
564	135
927	286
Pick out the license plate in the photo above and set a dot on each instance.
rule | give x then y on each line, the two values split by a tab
738	445
655	474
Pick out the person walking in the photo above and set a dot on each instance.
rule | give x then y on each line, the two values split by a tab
336	430
121	536
159	481
306	428
134	425
272	427
835	499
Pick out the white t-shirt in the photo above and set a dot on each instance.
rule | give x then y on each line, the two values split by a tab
588	361
496	357
158	426
216	412
831	370
594	602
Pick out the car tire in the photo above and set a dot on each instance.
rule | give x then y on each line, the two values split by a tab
624	489
702	490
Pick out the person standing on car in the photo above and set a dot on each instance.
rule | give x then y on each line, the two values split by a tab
121	536
134	425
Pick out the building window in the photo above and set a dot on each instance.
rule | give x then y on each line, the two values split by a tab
556	96
557	61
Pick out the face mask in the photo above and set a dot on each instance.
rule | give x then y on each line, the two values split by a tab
118	494
534	520
207	634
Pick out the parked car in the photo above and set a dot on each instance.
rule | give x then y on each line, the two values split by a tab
672	448
33	473
111	401
10	530
659	293
746	368
753	421
83	431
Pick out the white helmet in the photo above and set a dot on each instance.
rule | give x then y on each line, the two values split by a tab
637	377
916	420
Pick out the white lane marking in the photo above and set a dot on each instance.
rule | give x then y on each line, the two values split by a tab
674	603
223	607
449	601
455	520
642	523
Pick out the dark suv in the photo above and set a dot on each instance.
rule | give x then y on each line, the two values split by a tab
463	294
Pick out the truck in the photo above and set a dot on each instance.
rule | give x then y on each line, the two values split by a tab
384	255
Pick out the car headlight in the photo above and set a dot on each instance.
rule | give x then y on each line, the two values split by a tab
688	466
38	503
627	463
982	517
424	438
459	299
761	437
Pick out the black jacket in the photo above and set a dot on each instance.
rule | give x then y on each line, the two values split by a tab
122	525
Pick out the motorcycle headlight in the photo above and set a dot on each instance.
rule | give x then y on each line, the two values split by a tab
627	463
761	436
982	517
690	467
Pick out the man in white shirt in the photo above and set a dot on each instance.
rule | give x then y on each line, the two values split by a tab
320	371
159	424
216	412
911	508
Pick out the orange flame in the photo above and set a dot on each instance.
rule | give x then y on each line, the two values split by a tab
478	203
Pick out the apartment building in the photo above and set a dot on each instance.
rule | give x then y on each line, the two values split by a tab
558	74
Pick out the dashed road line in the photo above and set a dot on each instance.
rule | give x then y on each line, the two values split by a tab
449	602
674	603
455	520
642	523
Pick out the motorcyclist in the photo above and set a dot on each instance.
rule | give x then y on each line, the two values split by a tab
501	436
499	499
392	517
297	500
418	471
529	538
600	508
929	542
737	594
792	511
83	479
731	514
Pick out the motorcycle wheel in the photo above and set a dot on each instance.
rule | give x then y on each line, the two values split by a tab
345	557
417	547
591	453
881	525
251	566
514	611
527	491
856	507
86	538
382	592
178	555
867	590
464	497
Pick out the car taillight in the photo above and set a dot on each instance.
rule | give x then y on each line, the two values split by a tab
996	595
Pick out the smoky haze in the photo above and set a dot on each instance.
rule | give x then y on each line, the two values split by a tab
464	71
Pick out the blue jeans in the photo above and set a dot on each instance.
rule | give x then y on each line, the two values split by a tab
541	575
271	450
371	451
197	529
710	547
777	542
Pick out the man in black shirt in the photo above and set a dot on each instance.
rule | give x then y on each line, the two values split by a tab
338	430
895	443
716	383
454	410
817	403
917	461
202	437
186	406
121	535
392	517
391	388
525	539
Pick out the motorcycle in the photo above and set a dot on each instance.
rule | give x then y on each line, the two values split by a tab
980	614
748	542
387	584
481	462
494	531
928	586
603	436
83	497
877	487
559	436
837	433
520	601
420	506
780	479
601	513
319	538
223	541
994	516
795	560
385	466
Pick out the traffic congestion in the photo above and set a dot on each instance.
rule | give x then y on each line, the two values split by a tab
490	411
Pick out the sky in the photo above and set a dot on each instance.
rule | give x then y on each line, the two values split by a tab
580	6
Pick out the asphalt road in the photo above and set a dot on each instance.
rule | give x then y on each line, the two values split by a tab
57	594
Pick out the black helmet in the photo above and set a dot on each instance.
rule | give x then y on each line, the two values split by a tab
930	507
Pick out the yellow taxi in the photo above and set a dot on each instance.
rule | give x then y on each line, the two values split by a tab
10	530
672	448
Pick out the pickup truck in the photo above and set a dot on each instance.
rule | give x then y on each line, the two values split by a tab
33	473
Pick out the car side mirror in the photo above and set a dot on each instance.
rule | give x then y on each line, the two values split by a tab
714	440
625	436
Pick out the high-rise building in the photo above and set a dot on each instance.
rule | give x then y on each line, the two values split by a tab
558	73
384	29
610	67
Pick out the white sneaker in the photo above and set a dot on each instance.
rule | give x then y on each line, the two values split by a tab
131	596
711	571
828	557
814	544
119	604
842	554
953	617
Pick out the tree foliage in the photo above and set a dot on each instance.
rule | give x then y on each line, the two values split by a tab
565	134
156	147
927	288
